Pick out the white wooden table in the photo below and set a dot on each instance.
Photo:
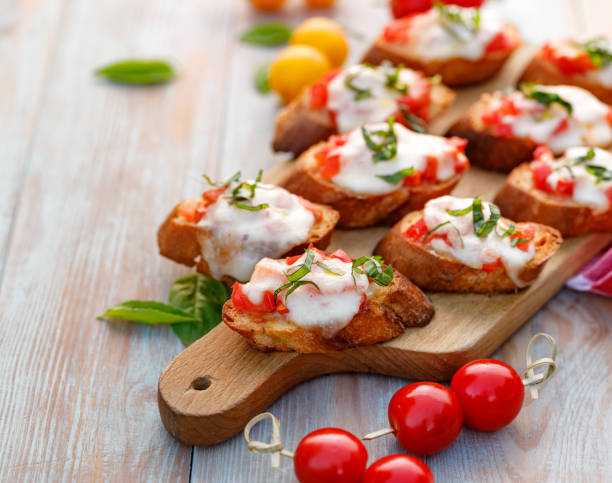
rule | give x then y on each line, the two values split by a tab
89	170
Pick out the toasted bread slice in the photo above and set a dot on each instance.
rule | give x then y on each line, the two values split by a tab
298	126
387	312
520	201
179	240
441	274
454	71
484	148
355	209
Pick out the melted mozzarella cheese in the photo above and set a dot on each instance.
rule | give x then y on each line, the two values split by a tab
330	308
382	102
586	190
233	240
359	173
429	39
587	125
467	247
572	49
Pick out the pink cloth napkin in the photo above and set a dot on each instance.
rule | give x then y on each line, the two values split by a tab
596	276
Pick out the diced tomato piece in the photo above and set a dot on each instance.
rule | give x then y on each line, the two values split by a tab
461	163
609	195
402	8
565	187
330	76
192	210
526	233
579	63
464	3
494	118
415	179
540	172
292	260
341	255
332	118
562	126
488	267
213	195
416	231
321	155
331	167
318	95
417	100
542	152
337	140
397	31
314	209
242	302
609	117
508	107
431	169
364	301
458	143
502	42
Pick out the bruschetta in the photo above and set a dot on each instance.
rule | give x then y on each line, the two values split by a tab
586	64
464	245
377	173
236	223
346	99
463	45
316	302
504	128
572	193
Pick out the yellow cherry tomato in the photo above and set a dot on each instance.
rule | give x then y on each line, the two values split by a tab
295	67
325	35
320	3
268	5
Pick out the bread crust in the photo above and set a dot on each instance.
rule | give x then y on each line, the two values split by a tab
388	311
441	274
543	71
454	71
484	148
178	239
519	200
355	209
298	127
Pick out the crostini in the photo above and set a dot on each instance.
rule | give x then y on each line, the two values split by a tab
377	173
316	302
504	128
463	245
237	223
346	99
572	193
586	64
463	45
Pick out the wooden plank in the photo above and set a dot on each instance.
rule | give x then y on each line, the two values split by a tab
77	397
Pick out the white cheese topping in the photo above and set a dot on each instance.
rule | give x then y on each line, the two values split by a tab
429	35
467	247
331	307
587	125
359	173
233	239
587	191
381	103
572	49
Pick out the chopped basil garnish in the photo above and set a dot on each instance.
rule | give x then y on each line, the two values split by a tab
233	178
413	121
434	229
330	270
600	172
242	193
393	79
387	149
545	98
483	229
585	157
510	231
518	240
293	286
460	23
360	93
396	178
460	212
304	269
597	50
372	267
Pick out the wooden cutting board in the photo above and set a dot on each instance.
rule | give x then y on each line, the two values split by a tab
210	390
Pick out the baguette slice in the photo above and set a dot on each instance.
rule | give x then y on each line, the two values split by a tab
484	148
520	201
454	71
178	239
355	209
388	311
298	126
441	274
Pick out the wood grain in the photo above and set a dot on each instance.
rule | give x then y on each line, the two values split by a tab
88	171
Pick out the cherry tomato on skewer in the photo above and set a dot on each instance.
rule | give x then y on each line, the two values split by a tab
398	468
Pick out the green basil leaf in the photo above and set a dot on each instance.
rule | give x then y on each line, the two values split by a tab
140	72
262	82
597	50
269	34
397	177
330	270
242	206
460	212
304	269
148	312
424	239
545	98
360	93
202	297
491	223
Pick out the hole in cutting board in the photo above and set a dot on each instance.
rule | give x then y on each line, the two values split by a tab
201	383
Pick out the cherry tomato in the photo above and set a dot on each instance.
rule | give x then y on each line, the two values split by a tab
402	8
398	468
425	417
490	392
330	454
